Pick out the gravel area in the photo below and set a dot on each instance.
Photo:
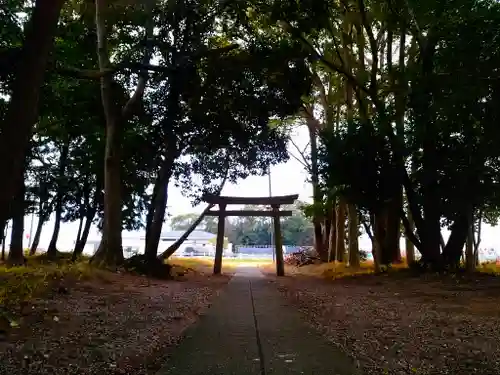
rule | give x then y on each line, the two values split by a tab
403	325
121	325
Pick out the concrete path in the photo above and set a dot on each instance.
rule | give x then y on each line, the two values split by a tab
250	330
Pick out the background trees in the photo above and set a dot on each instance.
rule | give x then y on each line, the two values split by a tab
399	100
297	230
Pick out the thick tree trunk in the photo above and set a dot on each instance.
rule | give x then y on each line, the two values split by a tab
477	238
3	246
470	260
160	204
332	238
16	251
409	246
319	239
353	236
394	229
110	251
456	242
2	239
22	110
151	208
376	250
380	236
341	218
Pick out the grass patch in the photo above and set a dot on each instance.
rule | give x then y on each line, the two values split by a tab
205	265
492	268
190	264
20	284
330	271
336	270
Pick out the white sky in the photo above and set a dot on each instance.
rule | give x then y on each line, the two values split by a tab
287	178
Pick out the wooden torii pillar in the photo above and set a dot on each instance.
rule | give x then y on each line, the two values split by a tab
275	213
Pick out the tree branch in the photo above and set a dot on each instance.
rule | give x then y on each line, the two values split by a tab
373	46
304	161
408	231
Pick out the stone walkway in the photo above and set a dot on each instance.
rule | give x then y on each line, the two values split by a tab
250	330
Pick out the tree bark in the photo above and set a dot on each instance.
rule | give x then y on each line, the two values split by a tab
456	242
22	109
16	251
477	238
160	204
110	251
470	261
2	239
80	228
409	246
340	230
332	238
353	236
80	244
319	239
38	234
376	250
394	228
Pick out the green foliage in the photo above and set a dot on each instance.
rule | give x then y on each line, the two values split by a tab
19	284
296	230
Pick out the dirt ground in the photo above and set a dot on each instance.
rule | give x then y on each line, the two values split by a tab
123	325
405	325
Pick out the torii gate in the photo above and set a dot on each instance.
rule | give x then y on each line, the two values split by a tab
275	213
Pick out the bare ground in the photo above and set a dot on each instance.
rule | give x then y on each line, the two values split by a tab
405	325
122	325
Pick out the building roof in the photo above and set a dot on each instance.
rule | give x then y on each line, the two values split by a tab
197	235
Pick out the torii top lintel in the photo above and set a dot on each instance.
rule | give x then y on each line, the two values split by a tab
277	200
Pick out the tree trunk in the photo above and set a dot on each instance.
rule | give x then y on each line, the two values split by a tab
470	260
319	239
160	204
61	192
80	228
353	236
80	245
3	246
477	238
22	111
409	246
332	238
38	233
2	239
393	229
376	251
456	242
151	208
175	246
341	218
110	251
16	251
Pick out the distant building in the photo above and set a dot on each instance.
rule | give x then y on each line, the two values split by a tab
198	243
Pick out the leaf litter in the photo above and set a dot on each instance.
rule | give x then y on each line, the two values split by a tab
430	325
123	325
